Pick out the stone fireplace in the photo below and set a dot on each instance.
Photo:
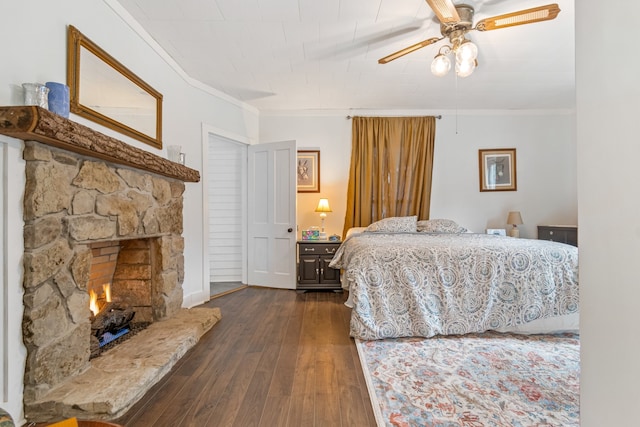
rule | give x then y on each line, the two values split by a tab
85	191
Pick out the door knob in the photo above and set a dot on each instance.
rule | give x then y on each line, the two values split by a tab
289	230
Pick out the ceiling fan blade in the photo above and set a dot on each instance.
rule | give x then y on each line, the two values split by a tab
526	16
445	11
407	50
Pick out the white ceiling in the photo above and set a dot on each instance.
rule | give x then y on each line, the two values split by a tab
323	54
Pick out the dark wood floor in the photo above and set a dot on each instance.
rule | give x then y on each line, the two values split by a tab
277	358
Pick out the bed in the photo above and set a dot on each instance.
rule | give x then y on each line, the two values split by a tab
445	280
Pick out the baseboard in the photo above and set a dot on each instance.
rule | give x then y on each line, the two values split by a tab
195	299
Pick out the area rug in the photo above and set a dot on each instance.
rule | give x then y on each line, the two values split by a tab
478	380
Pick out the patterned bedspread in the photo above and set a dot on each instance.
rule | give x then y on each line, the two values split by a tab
423	284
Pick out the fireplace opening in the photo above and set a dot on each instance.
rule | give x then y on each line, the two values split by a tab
119	292
111	322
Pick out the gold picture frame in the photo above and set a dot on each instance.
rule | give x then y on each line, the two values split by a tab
308	171
498	169
103	90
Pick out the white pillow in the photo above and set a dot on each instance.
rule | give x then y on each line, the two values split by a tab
440	226
354	230
396	224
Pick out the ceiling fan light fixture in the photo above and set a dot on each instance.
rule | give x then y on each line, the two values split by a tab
467	51
440	65
456	20
465	68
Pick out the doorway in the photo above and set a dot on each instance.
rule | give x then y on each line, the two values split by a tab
226	205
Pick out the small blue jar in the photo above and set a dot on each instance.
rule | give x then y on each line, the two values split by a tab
58	98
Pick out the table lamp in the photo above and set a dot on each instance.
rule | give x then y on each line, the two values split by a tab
514	218
323	208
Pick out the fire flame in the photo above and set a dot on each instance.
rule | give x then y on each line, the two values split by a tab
93	298
107	291
93	302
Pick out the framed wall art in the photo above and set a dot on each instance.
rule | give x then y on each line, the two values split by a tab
498	169
308	171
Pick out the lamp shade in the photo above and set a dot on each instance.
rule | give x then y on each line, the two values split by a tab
514	218
323	206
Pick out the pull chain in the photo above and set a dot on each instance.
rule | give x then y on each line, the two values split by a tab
456	100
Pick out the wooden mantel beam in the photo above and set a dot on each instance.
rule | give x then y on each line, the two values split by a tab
32	123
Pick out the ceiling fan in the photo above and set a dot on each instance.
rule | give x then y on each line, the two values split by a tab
456	21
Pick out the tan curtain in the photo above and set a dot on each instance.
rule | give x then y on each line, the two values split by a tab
391	168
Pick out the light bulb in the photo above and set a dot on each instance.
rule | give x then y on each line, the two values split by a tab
467	51
440	65
465	68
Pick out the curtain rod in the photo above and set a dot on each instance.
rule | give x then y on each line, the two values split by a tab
437	117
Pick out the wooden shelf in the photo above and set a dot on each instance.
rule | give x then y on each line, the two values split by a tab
32	123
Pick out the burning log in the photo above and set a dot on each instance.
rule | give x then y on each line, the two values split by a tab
111	318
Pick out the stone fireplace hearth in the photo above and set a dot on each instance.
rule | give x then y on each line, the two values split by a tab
82	189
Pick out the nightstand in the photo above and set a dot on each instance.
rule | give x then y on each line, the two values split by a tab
314	272
559	233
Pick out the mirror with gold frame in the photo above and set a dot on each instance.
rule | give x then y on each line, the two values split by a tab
105	91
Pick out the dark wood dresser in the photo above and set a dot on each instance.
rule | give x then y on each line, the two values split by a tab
559	233
313	265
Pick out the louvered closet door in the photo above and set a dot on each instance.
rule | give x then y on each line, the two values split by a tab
226	183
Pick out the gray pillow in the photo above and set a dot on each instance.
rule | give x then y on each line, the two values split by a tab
440	226
396	224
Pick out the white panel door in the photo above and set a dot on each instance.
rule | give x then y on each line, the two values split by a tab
272	215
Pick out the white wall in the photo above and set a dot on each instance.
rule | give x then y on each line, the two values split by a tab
332	136
609	206
34	50
546	166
